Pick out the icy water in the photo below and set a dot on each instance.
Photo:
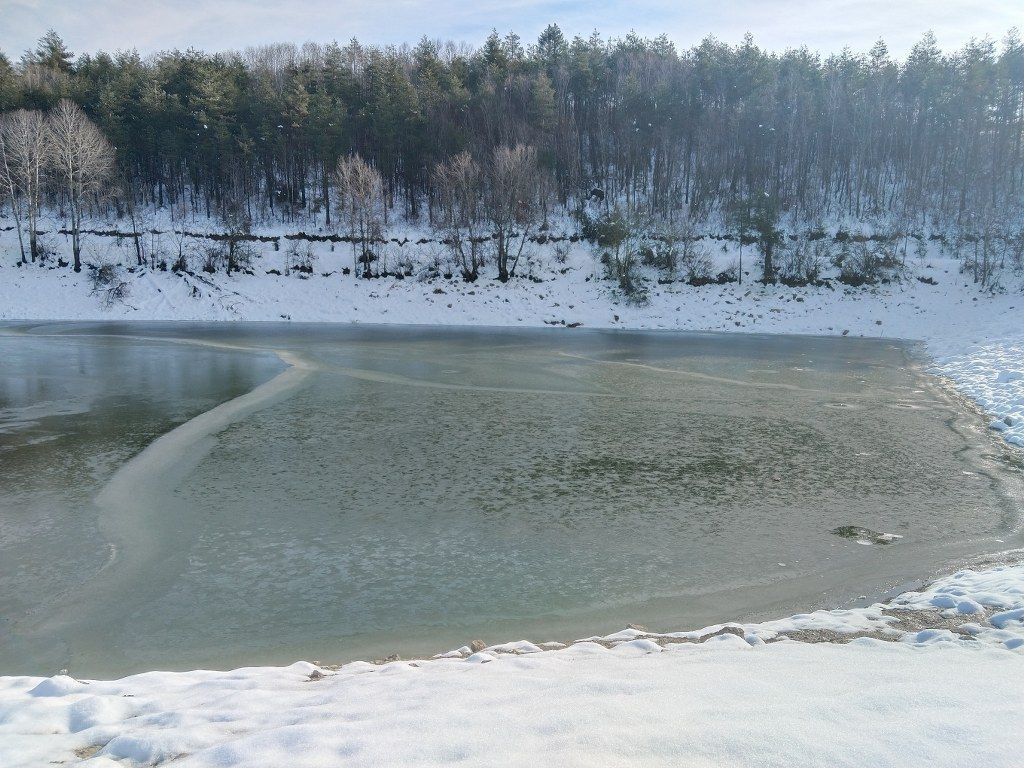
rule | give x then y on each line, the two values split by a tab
177	496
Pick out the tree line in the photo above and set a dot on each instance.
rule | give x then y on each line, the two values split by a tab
497	138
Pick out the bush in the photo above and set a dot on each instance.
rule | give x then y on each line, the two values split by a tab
45	250
695	263
679	251
730	274
103	275
107	284
300	258
240	255
624	269
621	253
801	265
181	262
404	267
214	255
868	265
589	228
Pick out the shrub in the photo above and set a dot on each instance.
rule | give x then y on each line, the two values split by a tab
214	255
868	265
107	284
300	258
618	238
801	264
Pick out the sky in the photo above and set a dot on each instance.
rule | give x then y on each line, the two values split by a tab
215	25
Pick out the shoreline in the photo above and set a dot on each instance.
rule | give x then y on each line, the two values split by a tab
892	669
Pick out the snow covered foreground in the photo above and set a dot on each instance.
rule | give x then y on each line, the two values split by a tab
862	687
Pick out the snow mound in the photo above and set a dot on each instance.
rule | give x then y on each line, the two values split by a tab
60	685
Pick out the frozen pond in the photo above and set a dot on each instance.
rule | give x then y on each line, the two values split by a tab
331	493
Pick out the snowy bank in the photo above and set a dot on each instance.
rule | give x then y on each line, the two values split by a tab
935	677
992	375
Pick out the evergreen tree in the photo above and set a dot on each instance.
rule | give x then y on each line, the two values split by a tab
51	52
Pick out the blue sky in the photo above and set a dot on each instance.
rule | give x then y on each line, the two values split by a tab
826	25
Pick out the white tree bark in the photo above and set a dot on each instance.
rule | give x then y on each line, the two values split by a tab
23	157
82	159
458	183
361	200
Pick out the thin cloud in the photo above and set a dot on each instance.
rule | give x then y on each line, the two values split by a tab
826	25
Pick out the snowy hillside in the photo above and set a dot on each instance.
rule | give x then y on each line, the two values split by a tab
557	283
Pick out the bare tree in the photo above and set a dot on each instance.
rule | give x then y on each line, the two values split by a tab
180	212
129	194
23	149
458	183
9	189
360	197
82	159
512	203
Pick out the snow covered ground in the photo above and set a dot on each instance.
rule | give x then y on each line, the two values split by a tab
933	678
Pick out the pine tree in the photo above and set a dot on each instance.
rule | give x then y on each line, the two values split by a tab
51	52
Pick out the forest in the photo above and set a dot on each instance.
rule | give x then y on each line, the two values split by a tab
492	142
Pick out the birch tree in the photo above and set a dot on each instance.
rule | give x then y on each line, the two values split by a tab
23	148
360	198
512	203
82	160
9	189
458	184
